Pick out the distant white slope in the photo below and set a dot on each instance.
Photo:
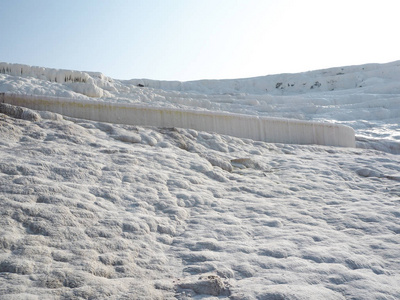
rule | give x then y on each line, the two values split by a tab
340	78
366	97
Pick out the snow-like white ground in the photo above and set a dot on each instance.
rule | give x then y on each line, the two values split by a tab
365	97
92	210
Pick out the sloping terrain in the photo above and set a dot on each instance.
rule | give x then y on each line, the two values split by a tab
366	97
93	210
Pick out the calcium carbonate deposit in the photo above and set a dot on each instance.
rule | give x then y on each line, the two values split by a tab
96	210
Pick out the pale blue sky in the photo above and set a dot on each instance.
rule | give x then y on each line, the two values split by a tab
198	39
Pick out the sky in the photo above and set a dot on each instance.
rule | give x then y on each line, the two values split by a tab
190	39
